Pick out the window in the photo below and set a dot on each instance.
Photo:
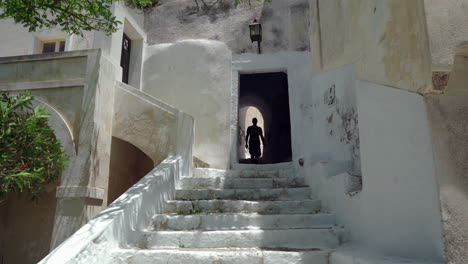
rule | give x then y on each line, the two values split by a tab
53	46
125	57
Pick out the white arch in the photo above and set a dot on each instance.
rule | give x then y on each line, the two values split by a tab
60	127
246	114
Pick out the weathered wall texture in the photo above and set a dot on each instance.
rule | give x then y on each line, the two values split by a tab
447	25
144	124
386	40
27	227
285	24
69	82
195	77
449	122
328	119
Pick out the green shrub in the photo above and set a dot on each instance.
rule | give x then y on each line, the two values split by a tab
30	155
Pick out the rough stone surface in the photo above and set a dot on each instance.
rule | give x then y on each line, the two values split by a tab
262	171
447	27
279	239
277	194
241	221
284	23
448	115
260	207
219	256
231	183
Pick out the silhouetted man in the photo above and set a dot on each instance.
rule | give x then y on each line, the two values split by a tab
255	133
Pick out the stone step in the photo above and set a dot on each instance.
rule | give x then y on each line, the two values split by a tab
245	173
278	239
230	206
239	183
283	194
242	166
217	256
241	222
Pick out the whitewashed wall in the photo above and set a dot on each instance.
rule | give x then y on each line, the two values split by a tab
195	77
401	209
396	210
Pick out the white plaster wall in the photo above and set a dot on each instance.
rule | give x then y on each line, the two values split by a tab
397	212
195	77
447	25
111	46
400	202
22	42
143	122
328	118
18	41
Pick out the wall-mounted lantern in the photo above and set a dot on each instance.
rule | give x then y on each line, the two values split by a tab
256	33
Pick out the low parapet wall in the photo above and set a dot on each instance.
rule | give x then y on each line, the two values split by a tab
131	212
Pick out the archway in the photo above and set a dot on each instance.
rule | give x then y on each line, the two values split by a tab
246	114
128	164
17	213
266	95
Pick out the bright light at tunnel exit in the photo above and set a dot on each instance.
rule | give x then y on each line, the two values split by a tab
246	116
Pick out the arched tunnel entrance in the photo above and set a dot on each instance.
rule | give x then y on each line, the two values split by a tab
265	97
128	164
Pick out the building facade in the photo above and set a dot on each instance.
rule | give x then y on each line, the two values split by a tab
375	112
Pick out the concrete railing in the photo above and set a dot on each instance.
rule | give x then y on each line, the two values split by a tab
121	221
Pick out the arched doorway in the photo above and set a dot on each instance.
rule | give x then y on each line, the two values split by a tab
246	114
128	164
265	97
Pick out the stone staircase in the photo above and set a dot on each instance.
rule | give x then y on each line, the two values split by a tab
240	216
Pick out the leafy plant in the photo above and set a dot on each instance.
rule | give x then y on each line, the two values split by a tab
196	211
74	16
30	155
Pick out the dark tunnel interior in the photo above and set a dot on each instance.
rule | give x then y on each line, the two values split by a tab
265	97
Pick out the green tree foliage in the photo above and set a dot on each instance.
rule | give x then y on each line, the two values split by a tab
73	16
30	155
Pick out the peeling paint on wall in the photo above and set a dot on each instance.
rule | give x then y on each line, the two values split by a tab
440	80
341	120
342	124
329	97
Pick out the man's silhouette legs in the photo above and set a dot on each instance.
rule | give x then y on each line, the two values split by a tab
254	160
254	133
